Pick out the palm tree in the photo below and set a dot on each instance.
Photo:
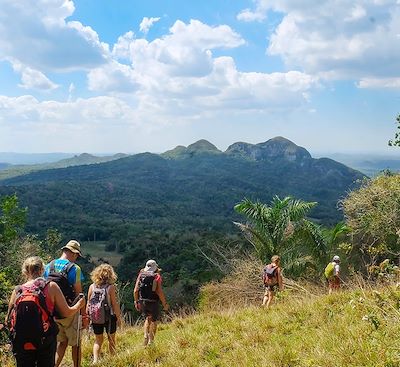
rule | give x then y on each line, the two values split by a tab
282	228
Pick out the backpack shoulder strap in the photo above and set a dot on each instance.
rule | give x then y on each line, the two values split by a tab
52	266
67	268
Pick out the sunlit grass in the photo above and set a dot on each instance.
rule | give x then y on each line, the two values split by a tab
351	328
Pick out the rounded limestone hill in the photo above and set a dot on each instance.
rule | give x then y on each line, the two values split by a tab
199	147
278	148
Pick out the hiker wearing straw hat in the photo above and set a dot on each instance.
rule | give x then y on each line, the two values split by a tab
148	294
68	275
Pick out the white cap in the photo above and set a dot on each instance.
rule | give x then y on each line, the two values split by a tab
336	258
151	265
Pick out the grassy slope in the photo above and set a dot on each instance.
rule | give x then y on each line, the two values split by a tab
347	329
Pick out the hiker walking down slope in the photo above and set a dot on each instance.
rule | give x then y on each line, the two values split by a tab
332	274
272	278
68	276
147	294
103	307
30	316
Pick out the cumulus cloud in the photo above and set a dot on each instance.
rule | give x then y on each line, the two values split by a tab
335	39
174	78
257	15
33	79
37	35
179	75
98	110
185	52
147	23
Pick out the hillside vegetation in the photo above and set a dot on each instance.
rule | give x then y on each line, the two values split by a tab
168	206
351	328
78	160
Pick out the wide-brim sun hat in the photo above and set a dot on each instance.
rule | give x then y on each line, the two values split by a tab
151	265
73	246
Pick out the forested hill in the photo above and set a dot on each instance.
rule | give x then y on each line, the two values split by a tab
197	182
78	160
162	205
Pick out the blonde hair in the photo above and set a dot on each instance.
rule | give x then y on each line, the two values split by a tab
275	259
32	267
103	274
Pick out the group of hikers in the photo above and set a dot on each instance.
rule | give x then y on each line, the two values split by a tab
273	280
48	312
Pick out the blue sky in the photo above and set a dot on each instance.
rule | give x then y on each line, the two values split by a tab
132	76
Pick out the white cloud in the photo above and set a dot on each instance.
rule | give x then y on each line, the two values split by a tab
33	79
147	23
379	83
113	77
71	88
258	15
178	75
37	35
27	110
335	39
247	15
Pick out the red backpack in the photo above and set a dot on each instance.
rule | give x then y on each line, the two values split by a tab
30	320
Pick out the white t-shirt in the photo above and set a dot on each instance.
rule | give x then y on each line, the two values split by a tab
336	269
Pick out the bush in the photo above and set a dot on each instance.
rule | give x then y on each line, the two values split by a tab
373	214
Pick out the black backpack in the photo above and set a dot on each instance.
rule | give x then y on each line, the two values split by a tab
146	282
61	278
30	321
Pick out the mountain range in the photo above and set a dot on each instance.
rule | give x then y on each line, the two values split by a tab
166	205
8	171
277	166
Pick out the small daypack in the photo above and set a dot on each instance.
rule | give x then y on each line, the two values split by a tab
270	276
329	270
61	278
99	308
147	286
30	321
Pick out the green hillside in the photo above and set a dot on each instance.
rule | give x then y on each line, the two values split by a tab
78	160
352	328
150	205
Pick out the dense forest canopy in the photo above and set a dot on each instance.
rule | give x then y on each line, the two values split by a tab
171	205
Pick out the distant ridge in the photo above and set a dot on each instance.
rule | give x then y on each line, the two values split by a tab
4	165
77	160
196	178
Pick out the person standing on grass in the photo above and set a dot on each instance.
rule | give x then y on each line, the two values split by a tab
68	275
272	277
148	294
30	316
332	274
103	307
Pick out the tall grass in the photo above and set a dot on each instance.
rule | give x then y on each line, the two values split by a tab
358	327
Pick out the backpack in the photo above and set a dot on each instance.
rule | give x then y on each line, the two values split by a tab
61	278
329	270
30	320
270	274
99	306
146	283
